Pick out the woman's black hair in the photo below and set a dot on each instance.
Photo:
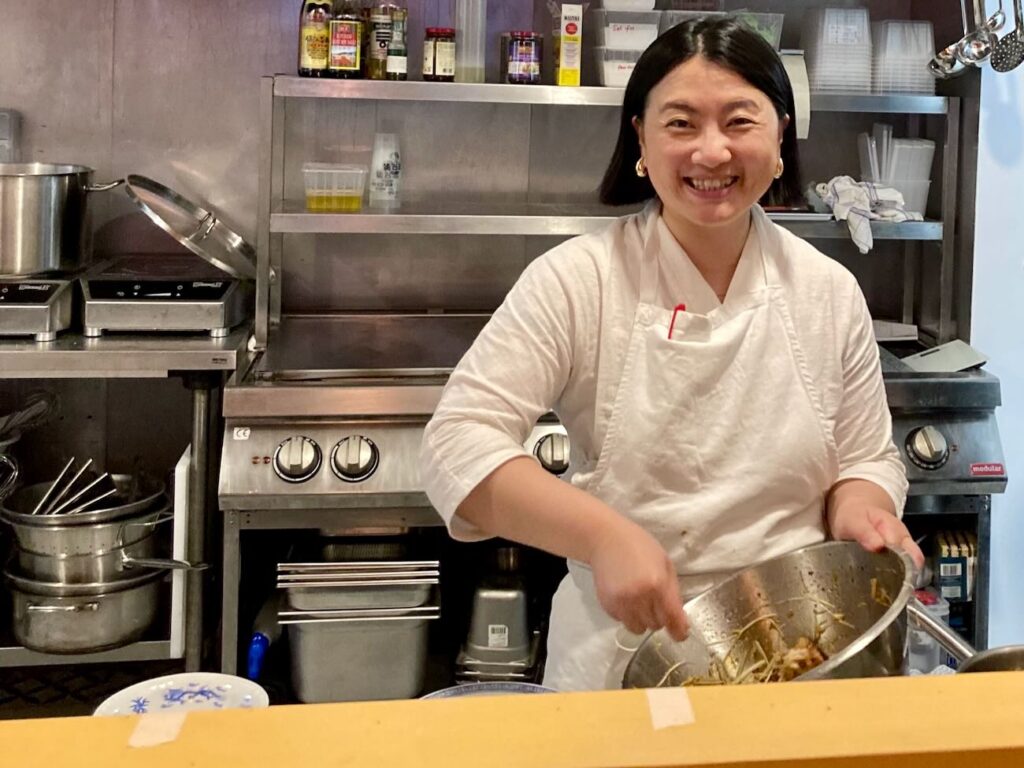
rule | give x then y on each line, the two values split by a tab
731	44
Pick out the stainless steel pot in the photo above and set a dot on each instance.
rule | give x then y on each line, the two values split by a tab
1005	658
83	618
91	539
44	218
99	568
851	600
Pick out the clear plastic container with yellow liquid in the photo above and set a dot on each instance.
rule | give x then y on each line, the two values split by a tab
334	188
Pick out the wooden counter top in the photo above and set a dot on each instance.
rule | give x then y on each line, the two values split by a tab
934	722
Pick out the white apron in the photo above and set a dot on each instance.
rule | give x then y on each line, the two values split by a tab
717	445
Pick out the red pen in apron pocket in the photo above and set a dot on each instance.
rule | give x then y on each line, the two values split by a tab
672	326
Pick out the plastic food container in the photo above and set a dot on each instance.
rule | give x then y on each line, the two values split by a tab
625	5
614	67
334	188
670	19
691	5
768	25
925	653
914	191
626	30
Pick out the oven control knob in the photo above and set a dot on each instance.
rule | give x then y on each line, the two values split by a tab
553	452
355	458
927	447
297	459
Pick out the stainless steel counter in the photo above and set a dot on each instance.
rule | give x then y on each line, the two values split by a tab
73	356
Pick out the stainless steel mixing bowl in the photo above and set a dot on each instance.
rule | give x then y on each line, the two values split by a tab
850	600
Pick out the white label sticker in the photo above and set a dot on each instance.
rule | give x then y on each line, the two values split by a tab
669	707
242	433
156	728
497	636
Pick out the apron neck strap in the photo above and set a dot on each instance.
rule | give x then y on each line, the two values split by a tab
649	258
766	240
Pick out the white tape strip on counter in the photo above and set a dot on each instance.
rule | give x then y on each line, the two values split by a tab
669	707
157	728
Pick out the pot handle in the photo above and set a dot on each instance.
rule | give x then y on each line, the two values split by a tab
939	630
157	562
103	187
163	517
77	608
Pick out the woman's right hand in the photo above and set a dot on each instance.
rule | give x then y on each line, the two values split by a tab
636	582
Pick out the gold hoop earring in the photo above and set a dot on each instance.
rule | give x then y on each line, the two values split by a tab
779	169
641	170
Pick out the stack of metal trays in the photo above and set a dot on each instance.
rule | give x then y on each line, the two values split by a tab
526	668
358	630
500	646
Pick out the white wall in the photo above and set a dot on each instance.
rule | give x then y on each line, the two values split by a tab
998	325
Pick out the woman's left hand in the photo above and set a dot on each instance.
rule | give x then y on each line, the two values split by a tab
874	529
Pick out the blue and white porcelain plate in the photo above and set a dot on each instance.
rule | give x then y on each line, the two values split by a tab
188	691
487	689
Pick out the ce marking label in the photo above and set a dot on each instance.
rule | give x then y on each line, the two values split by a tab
242	433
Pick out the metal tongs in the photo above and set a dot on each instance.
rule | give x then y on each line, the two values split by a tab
61	498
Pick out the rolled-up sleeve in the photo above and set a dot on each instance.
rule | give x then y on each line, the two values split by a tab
513	374
863	428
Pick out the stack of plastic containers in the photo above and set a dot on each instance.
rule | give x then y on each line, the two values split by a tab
673	18
768	25
622	30
837	49
902	50
471	40
904	164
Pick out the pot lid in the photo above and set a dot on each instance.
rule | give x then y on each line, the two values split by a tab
193	226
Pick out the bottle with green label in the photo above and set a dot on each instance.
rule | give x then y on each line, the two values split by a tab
314	38
398	54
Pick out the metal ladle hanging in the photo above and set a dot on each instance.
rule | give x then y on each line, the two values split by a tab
998	19
945	65
1009	50
976	47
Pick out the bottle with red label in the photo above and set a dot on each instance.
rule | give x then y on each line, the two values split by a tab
346	54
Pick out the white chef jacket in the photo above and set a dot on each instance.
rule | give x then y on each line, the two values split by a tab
557	343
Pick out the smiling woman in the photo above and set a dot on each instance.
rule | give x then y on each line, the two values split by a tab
718	376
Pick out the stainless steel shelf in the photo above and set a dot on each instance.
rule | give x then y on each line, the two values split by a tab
301	87
832	230
543	219
502	93
73	356
455	217
154	650
898	103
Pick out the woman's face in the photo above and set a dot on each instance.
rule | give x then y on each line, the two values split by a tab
711	143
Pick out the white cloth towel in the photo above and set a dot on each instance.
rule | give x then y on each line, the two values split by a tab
857	203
